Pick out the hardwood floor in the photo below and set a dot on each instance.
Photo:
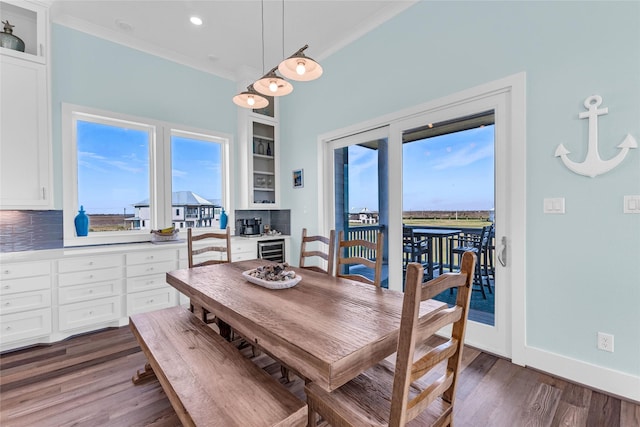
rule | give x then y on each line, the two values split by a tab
86	381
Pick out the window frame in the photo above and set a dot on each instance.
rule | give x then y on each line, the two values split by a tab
160	171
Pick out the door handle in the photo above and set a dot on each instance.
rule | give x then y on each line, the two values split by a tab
502	255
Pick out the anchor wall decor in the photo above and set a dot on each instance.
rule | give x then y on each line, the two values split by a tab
593	165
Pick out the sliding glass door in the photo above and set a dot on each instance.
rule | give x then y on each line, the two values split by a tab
360	190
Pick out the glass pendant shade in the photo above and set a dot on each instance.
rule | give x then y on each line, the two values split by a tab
250	99
271	81
300	67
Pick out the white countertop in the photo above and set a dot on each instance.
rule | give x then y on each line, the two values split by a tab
106	249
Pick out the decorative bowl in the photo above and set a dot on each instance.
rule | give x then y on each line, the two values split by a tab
271	284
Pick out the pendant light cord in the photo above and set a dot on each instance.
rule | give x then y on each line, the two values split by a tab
262	13
283	57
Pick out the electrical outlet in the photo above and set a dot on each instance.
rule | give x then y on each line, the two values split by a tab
605	342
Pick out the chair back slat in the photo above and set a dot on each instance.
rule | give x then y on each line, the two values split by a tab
328	256
414	330
349	253
222	245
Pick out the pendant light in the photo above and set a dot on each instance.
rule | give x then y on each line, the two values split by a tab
250	99
300	67
273	85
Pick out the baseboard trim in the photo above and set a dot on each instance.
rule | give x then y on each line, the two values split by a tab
620	384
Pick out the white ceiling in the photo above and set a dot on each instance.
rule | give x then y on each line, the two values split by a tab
229	43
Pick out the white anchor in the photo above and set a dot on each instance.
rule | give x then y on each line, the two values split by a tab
593	165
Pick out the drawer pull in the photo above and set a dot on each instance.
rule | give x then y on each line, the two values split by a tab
90	291
90	313
150	257
6	287
6	272
7	303
8	328
90	262
91	276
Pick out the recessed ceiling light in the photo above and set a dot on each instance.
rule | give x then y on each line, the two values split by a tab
195	20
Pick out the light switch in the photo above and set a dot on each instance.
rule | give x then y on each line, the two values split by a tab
631	204
554	205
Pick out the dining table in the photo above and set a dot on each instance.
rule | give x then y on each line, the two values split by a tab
439	234
325	329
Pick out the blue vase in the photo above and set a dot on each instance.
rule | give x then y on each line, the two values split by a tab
82	223
223	220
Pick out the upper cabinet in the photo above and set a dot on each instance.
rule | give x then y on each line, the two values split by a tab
264	161
25	135
30	24
260	146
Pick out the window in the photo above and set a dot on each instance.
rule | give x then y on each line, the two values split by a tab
132	175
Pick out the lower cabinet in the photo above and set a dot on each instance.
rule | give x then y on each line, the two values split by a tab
147	287
89	292
64	293
25	302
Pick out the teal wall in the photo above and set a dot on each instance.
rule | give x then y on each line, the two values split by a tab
583	268
96	73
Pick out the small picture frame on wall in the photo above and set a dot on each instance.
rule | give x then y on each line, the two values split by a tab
298	178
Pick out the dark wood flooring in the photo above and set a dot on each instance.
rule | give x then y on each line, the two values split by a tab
86	381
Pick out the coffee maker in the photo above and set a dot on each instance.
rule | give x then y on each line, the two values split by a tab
249	227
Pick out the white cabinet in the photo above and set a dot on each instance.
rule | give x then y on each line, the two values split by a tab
260	153
25	303
243	249
89	292
25	154
147	287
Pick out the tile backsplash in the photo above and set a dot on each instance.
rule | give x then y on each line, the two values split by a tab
279	219
30	230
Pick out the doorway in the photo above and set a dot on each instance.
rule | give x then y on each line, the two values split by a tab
504	99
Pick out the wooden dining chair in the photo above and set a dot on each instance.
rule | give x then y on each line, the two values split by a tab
328	256
360	252
384	396
221	244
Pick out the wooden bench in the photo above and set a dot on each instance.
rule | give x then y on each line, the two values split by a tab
208	381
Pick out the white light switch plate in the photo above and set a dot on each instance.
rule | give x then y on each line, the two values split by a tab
632	204
554	205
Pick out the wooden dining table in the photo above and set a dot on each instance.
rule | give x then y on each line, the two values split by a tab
326	329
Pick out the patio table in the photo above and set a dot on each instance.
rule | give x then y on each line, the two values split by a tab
440	234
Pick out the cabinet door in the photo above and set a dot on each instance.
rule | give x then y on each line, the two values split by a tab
24	136
263	153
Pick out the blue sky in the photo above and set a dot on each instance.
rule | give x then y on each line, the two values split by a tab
447	172
113	167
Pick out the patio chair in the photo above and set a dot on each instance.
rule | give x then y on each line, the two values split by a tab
384	395
328	256
478	244
416	250
360	252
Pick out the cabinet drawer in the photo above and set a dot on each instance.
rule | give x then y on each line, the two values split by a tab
25	269
140	302
154	268
151	256
25	284
244	247
28	324
243	256
25	301
89	313
144	283
89	263
71	294
91	276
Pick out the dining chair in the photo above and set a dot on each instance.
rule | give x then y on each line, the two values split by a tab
360	252
388	396
478	244
328	256
221	243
